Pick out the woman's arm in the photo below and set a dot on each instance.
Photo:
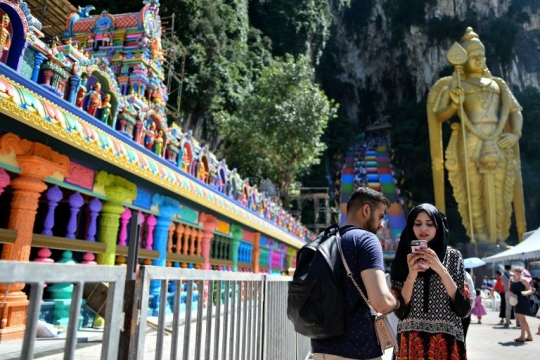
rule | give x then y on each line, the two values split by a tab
528	290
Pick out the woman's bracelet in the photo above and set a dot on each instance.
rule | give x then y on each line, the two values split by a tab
398	304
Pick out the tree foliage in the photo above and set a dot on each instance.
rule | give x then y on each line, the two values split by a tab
277	131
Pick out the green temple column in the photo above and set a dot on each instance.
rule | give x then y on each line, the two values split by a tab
236	233
118	190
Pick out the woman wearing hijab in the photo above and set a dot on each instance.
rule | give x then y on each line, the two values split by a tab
431	285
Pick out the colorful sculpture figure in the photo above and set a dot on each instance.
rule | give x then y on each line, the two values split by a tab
144	41
5	36
90	39
82	92
202	174
482	156
95	100
106	40
150	136
158	144
185	161
106	109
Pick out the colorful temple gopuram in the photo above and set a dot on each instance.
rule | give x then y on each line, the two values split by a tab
85	147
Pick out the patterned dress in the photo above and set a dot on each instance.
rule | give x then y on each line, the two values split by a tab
436	333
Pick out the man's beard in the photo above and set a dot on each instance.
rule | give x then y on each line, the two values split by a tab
371	225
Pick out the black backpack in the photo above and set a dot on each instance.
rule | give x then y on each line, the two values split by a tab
316	299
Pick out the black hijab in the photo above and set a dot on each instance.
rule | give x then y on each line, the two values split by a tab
400	269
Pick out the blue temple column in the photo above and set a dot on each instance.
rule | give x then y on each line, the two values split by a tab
167	208
74	82
39	59
21	57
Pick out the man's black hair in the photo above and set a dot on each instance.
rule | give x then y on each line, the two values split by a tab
365	195
507	267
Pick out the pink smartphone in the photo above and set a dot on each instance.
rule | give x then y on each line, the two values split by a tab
418	244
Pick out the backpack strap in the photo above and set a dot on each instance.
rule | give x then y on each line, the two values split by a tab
350	275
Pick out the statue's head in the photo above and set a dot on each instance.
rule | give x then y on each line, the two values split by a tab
476	51
5	20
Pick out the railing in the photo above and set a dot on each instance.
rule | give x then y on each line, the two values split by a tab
282	341
38	275
246	321
237	316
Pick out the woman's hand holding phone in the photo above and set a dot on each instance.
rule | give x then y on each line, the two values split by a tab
415	260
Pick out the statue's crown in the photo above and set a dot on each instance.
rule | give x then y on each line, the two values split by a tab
471	41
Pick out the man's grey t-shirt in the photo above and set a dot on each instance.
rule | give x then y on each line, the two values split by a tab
362	251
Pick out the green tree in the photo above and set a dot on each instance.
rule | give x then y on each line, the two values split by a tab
276	132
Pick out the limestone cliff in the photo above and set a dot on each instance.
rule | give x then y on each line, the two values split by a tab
386	51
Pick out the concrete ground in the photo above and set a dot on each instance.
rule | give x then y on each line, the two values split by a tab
491	341
486	341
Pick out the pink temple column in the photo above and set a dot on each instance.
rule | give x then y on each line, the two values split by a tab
124	220
270	244
75	201
4	180
150	225
210	223
47	75
282	252
44	255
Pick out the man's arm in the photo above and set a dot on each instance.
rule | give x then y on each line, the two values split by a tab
378	293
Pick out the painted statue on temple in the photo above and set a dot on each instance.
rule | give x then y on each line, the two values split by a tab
90	40
150	136
106	109
158	143
94	102
106	39
5	35
482	156
144	40
185	160
81	93
202	174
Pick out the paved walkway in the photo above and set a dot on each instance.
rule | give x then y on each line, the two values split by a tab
486	341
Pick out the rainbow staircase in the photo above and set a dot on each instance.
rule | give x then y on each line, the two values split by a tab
347	180
380	178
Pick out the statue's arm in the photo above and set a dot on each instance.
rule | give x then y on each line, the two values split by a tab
445	107
516	122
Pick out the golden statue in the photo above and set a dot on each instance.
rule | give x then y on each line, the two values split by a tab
482	156
5	36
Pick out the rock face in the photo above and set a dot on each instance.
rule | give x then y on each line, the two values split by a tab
394	54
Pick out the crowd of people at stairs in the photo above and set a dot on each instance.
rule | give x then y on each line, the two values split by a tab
360	163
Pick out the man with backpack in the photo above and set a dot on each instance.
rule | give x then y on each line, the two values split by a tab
363	253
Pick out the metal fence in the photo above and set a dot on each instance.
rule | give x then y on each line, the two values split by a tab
38	274
282	342
213	315
237	316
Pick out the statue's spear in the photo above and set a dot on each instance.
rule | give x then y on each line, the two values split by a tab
457	56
